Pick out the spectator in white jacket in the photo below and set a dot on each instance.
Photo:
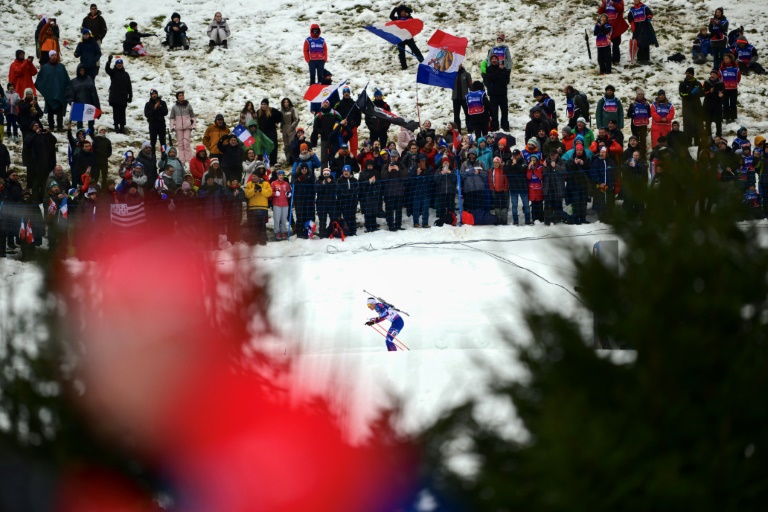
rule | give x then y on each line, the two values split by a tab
218	31
183	121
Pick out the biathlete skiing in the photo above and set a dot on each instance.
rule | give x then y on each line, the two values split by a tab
386	312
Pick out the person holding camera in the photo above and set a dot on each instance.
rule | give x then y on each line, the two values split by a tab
257	192
21	72
49	41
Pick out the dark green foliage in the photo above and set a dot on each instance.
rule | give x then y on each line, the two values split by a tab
683	427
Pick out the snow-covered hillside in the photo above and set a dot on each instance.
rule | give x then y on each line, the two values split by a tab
265	57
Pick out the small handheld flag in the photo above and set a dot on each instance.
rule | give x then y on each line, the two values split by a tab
84	112
243	135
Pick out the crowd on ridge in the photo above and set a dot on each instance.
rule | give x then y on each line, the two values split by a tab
328	178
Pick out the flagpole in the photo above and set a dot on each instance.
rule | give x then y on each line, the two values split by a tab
358	108
418	108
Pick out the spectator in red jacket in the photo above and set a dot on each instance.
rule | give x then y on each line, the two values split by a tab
315	53
199	165
21	72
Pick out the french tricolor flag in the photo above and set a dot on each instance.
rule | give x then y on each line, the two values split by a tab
84	112
242	133
397	31
441	64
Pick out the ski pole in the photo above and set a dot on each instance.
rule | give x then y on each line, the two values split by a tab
381	331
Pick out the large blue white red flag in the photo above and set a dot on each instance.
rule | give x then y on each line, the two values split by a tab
242	133
84	112
441	64
317	93
397	31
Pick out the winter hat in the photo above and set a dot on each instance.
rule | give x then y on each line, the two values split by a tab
496	159
71	191
282	172
175	15
261	165
502	142
445	158
29	91
533	142
118	60
536	92
691	71
639	90
214	161
567	130
346	90
186	186
265	101
219	116
145	145
85	32
303	146
326	172
346	168
610	88
603	149
515	152
661	93
52	53
128	175
299	129
741	39
91	191
153	91
139	165
579	142
501	36
343	145
376	93
533	157
581	120
127	154
393	154
553	132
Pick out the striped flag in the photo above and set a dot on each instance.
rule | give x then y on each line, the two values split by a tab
84	112
397	31
242	133
441	64
64	209
126	216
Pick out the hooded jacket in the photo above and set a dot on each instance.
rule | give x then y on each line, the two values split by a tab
52	83
315	47
82	89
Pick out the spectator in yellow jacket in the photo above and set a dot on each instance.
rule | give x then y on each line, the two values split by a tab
257	192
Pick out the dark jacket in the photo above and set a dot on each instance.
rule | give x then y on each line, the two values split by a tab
394	180
534	125
461	87
80	164
369	192
713	103
347	110
213	201
554	179
82	89
496	80
268	125
150	166
374	123
120	88
516	173
156	116
445	184
89	53
132	38
323	125
96	24
39	155
231	158
347	190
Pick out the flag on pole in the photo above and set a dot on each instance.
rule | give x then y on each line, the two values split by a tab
126	216
23	230
318	93
441	64
64	209
397	31
367	107
84	112
242	133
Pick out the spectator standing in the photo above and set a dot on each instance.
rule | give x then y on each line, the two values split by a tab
183	121
639	18
155	111
82	89
496	80
96	24
315	53
662	113
89	52
268	119
713	91
21	72
459	96
102	149
120	92
602	32
614	9
403	12
730	74
53	82
288	127
258	191
609	108
49	41
691	92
